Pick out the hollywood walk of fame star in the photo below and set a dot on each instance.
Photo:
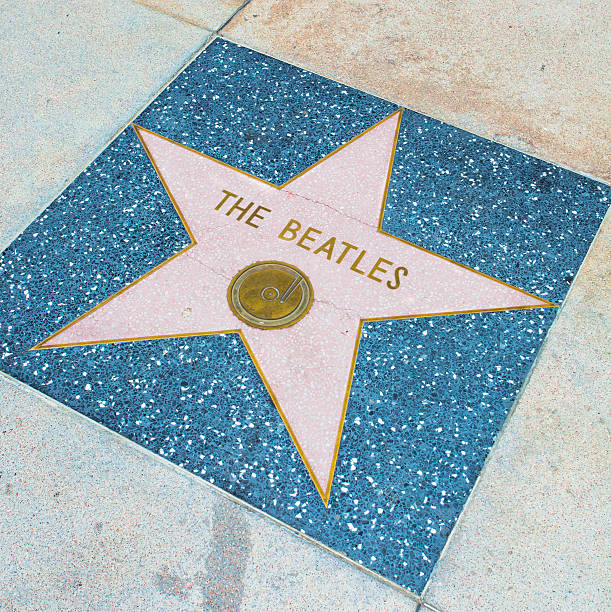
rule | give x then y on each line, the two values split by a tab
307	222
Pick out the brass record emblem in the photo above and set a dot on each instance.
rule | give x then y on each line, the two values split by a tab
270	294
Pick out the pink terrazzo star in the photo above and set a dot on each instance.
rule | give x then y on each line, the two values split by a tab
307	367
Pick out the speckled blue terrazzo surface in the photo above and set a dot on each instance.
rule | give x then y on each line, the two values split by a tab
428	396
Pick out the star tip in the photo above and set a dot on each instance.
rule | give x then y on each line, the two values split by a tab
36	347
139	129
325	495
546	303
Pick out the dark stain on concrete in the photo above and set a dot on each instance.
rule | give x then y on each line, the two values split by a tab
171	584
231	545
221	582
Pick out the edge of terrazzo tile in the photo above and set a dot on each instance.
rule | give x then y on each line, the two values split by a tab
194	478
462	516
21	227
337	79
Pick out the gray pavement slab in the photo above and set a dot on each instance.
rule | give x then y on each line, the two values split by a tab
90	521
527	74
74	74
535	533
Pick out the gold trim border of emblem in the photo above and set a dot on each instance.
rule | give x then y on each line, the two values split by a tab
241	311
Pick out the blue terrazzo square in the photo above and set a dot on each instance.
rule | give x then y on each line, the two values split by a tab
429	395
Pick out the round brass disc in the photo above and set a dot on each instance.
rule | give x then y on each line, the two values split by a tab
270	294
